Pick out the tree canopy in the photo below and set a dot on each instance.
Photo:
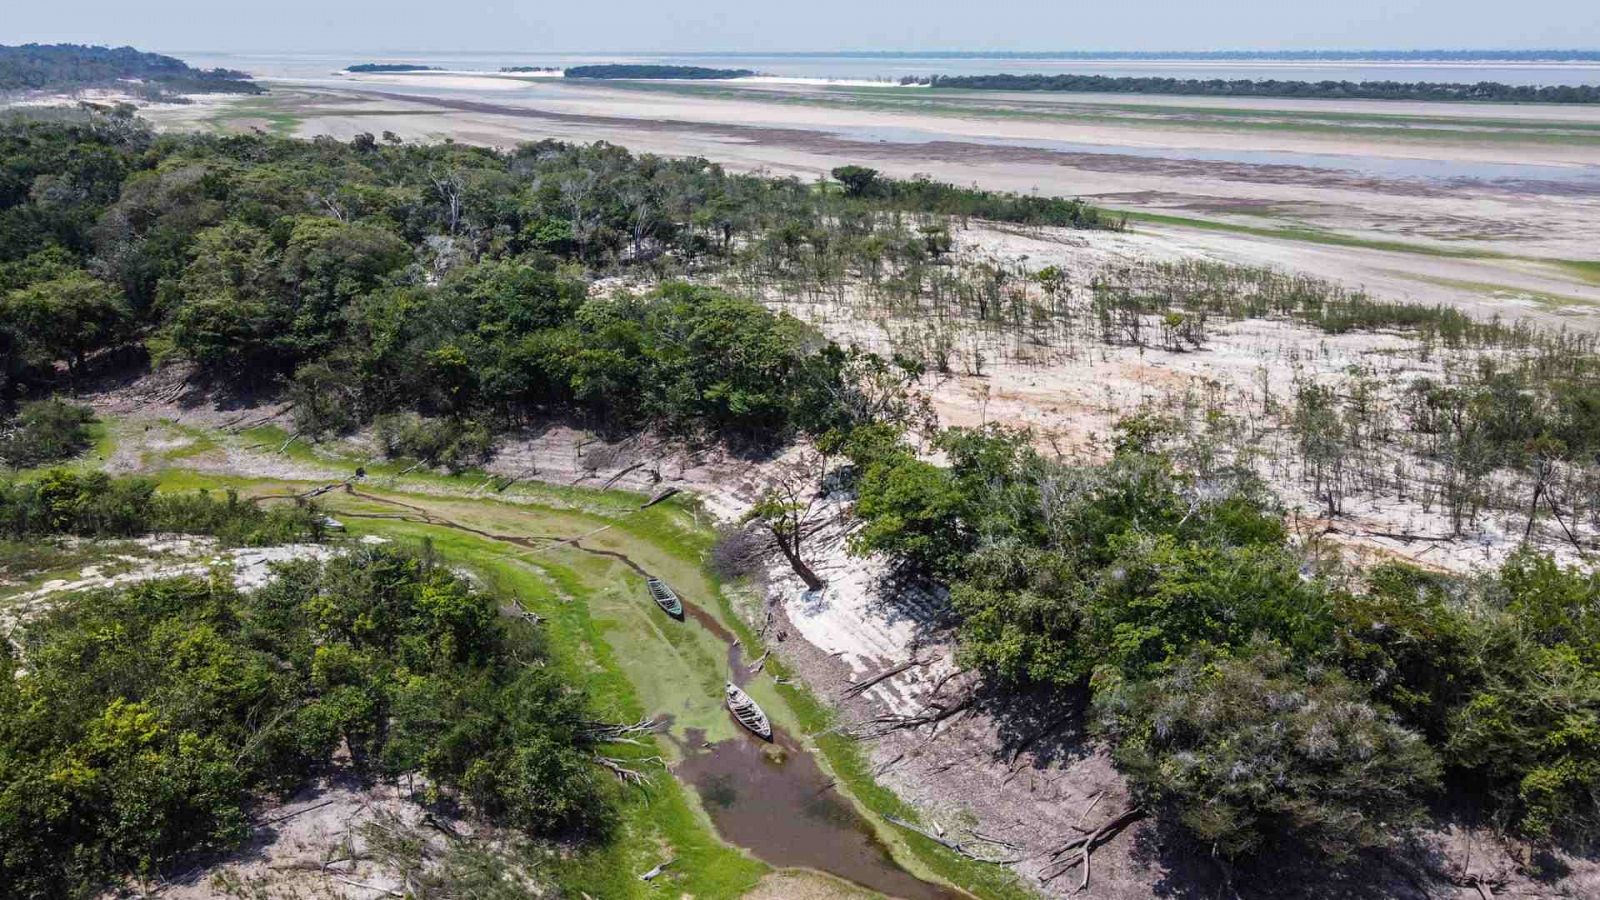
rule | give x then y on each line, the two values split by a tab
1484	91
1257	695
148	719
66	67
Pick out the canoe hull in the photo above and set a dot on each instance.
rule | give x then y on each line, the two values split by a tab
748	713
665	598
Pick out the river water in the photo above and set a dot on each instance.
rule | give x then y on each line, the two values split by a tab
866	67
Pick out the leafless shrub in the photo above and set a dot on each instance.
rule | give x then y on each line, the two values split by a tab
601	457
740	552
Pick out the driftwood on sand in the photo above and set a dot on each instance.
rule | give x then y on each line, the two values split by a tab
1086	845
861	687
955	846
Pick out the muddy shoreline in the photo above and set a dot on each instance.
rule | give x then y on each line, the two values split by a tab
823	142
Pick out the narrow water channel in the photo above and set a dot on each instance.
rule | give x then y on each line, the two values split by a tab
772	799
775	801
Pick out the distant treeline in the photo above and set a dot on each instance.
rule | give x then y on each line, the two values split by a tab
390	67
61	67
632	71
1217	87
1286	55
530	68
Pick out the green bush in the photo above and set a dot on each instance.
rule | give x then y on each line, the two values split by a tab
1254	693
1256	748
144	723
452	443
93	504
44	431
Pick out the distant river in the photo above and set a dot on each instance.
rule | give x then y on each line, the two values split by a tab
269	64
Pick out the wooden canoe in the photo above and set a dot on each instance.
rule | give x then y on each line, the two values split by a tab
748	713
665	597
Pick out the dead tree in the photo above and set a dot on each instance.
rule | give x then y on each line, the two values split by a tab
785	510
451	187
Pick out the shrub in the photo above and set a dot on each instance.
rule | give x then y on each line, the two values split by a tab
455	444
1406	637
325	401
44	431
148	720
1253	749
739	552
94	504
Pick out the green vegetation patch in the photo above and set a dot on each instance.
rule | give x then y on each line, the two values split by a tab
66	67
1256	697
45	431
630	71
1336	90
146	719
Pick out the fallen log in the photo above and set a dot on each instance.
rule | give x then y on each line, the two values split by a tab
918	829
619	475
659	497
945	679
299	812
606	732
1090	808
953	846
624	774
887	723
1086	845
655	873
861	687
362	884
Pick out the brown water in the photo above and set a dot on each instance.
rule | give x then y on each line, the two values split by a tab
774	800
771	799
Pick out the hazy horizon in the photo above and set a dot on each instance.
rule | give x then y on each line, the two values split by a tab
732	26
733	52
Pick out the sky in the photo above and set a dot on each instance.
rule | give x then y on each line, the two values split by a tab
762	25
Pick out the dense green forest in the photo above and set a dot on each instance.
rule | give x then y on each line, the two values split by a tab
637	71
1216	87
442	282
1259	694
148	721
68	67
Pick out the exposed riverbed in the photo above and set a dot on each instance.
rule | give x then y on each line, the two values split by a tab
773	799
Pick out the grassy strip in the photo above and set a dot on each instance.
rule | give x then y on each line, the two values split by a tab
1544	299
280	122
1288	115
1310	235
1587	271
661	822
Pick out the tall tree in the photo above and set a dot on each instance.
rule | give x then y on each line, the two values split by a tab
65	318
